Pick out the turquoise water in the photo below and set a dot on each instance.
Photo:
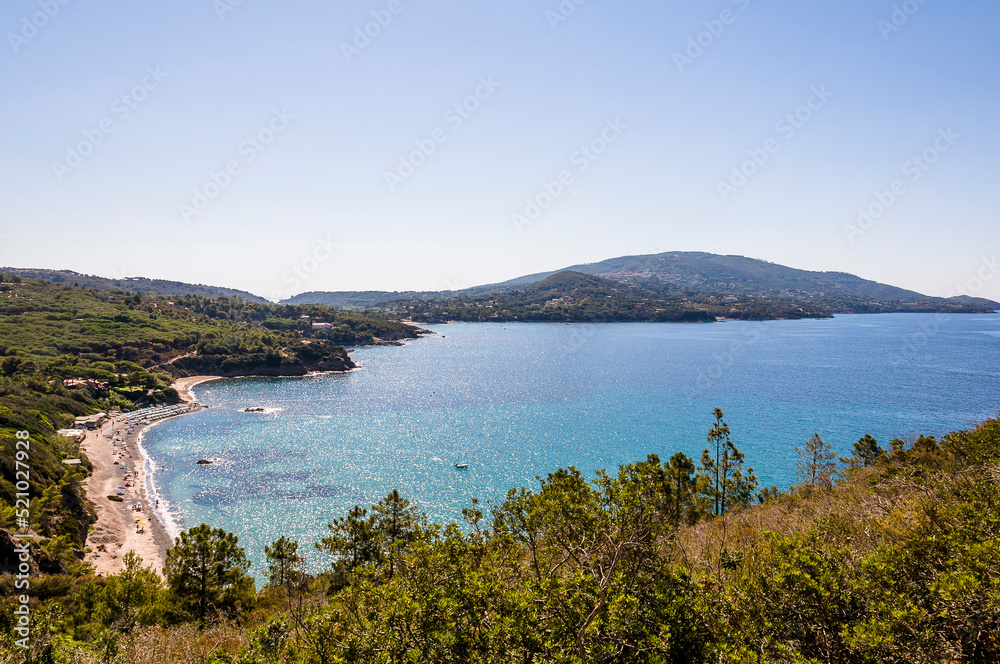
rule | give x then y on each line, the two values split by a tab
519	400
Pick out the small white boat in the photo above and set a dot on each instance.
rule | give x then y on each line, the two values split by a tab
461	466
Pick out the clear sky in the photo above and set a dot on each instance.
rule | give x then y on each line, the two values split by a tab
737	127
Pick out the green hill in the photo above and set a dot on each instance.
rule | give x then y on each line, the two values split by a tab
357	299
562	297
130	284
577	297
735	274
709	278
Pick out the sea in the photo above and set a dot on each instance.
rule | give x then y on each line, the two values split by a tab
517	401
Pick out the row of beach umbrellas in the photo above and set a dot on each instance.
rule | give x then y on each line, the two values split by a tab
156	413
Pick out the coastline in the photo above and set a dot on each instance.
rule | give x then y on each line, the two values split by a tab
184	385
114	532
158	512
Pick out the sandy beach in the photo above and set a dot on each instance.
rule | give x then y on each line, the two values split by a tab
115	533
184	385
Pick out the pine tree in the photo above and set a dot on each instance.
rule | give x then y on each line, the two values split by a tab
396	524
283	561
816	464
728	485
352	541
683	484
867	450
206	573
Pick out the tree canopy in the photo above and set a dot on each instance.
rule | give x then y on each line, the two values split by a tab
206	573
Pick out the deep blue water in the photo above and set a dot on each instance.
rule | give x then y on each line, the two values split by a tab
519	400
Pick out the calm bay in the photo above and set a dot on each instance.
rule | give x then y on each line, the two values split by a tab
514	401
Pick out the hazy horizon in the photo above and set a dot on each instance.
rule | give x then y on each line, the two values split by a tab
297	277
429	146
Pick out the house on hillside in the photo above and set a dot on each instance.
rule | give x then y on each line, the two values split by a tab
88	383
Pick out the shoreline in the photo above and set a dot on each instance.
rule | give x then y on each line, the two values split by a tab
184	385
158	512
115	532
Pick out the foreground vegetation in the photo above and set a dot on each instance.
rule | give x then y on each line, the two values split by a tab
69	351
891	558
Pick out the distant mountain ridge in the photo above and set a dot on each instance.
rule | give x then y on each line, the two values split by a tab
130	284
575	297
562	297
705	271
694	271
698	276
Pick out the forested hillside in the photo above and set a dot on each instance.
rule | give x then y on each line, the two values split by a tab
129	284
577	297
563	297
726	286
740	275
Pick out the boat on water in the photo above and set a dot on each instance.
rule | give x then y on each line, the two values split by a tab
461	466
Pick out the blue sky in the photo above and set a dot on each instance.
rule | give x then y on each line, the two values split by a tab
233	143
